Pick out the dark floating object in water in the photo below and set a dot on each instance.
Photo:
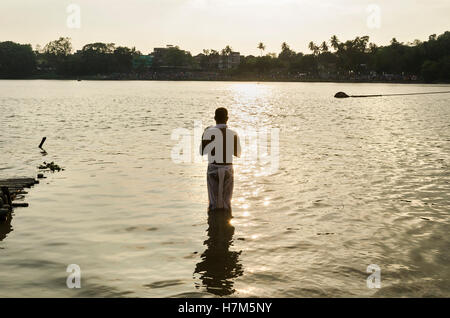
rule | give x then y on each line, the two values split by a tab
344	95
50	166
341	95
40	175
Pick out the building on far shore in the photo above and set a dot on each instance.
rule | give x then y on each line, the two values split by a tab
142	62
229	61
170	56
159	54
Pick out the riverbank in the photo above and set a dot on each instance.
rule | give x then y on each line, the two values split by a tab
221	78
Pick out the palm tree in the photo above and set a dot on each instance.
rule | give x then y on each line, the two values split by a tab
394	41
334	42
225	59
262	47
313	47
227	50
284	46
324	47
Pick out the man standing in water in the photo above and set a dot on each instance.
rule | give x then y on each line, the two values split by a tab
220	143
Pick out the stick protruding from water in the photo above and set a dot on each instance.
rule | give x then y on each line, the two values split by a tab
42	142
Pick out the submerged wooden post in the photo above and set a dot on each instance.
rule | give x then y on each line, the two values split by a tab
5	203
3	214
7	194
42	142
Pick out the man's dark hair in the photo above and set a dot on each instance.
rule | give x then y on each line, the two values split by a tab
221	115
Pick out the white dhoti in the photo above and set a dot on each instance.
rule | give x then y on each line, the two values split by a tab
220	181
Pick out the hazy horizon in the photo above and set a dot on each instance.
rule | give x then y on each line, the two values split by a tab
212	24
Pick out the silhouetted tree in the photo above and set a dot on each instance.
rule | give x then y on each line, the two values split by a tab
314	48
16	60
334	42
124	58
429	59
97	58
60	47
175	57
227	50
324	47
261	47
286	54
56	54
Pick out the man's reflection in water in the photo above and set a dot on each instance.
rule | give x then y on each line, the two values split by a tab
219	266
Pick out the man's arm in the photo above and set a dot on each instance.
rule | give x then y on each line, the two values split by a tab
237	146
204	142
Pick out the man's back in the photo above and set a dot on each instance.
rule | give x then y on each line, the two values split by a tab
220	144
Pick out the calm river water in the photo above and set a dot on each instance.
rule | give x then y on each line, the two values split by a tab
359	182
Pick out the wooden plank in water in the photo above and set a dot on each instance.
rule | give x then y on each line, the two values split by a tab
20	205
18	179
18	182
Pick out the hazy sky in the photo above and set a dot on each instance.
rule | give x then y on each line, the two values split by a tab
198	24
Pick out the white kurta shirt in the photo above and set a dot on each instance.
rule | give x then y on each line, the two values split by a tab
222	146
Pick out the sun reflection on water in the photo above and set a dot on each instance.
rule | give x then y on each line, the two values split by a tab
248	114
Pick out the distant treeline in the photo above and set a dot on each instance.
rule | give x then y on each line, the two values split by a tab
333	59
